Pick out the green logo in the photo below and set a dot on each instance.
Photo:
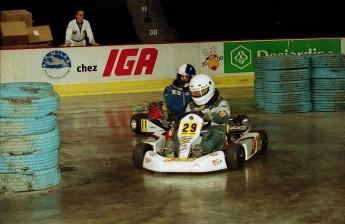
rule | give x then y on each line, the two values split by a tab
240	56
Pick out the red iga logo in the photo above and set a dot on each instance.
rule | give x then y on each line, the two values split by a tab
131	62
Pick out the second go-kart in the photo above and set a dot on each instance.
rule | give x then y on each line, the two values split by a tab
240	144
152	118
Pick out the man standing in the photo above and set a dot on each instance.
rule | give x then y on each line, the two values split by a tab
77	30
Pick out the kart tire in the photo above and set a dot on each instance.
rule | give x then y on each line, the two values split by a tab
135	122
234	156
264	141
139	153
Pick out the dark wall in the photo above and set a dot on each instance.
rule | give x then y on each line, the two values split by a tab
195	20
198	20
110	21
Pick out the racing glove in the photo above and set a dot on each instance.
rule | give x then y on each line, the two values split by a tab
208	116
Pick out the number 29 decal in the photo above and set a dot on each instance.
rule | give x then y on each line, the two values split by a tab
189	128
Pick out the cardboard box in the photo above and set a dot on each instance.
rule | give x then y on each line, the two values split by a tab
39	34
14	33
17	15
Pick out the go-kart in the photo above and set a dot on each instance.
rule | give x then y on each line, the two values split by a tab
240	144
152	118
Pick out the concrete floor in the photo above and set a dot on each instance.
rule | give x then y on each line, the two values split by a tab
300	179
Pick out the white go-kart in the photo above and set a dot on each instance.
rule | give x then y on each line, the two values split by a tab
240	144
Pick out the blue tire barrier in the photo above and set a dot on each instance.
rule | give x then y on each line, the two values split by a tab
259	73
327	61
29	106
30	181
328	95
300	107
328	84
287	97
282	62
27	85
24	92
327	73
27	126
28	163
287	86
29	136
286	75
328	106
29	144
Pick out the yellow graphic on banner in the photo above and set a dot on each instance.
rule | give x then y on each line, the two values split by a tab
189	128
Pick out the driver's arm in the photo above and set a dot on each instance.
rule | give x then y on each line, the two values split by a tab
222	114
188	109
170	100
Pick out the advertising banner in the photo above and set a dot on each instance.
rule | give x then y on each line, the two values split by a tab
240	56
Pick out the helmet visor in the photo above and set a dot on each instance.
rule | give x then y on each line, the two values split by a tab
184	78
199	92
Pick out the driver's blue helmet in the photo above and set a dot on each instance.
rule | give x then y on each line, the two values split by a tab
184	74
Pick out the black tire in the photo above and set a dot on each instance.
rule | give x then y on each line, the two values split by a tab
264	141
135	122
234	156
139	154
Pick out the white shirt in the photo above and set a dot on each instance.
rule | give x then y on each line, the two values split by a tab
73	33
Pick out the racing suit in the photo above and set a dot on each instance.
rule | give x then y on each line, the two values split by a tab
176	98
218	113
217	110
75	34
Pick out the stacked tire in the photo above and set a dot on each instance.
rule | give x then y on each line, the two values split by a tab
284	84
29	136
258	94
328	82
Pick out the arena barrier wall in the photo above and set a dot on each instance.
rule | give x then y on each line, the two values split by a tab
148	67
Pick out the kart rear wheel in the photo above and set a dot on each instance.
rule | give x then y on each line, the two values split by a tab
135	122
264	141
234	156
139	154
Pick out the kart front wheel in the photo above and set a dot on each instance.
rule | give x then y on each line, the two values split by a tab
139	154
135	122
234	156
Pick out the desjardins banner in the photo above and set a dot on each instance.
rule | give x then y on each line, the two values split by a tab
240	56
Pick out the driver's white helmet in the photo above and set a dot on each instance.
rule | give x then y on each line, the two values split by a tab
201	88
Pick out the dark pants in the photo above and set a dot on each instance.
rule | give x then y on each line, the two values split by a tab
212	139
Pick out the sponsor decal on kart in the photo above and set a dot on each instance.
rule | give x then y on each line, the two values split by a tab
185	140
179	159
152	154
189	128
148	160
144	125
215	162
